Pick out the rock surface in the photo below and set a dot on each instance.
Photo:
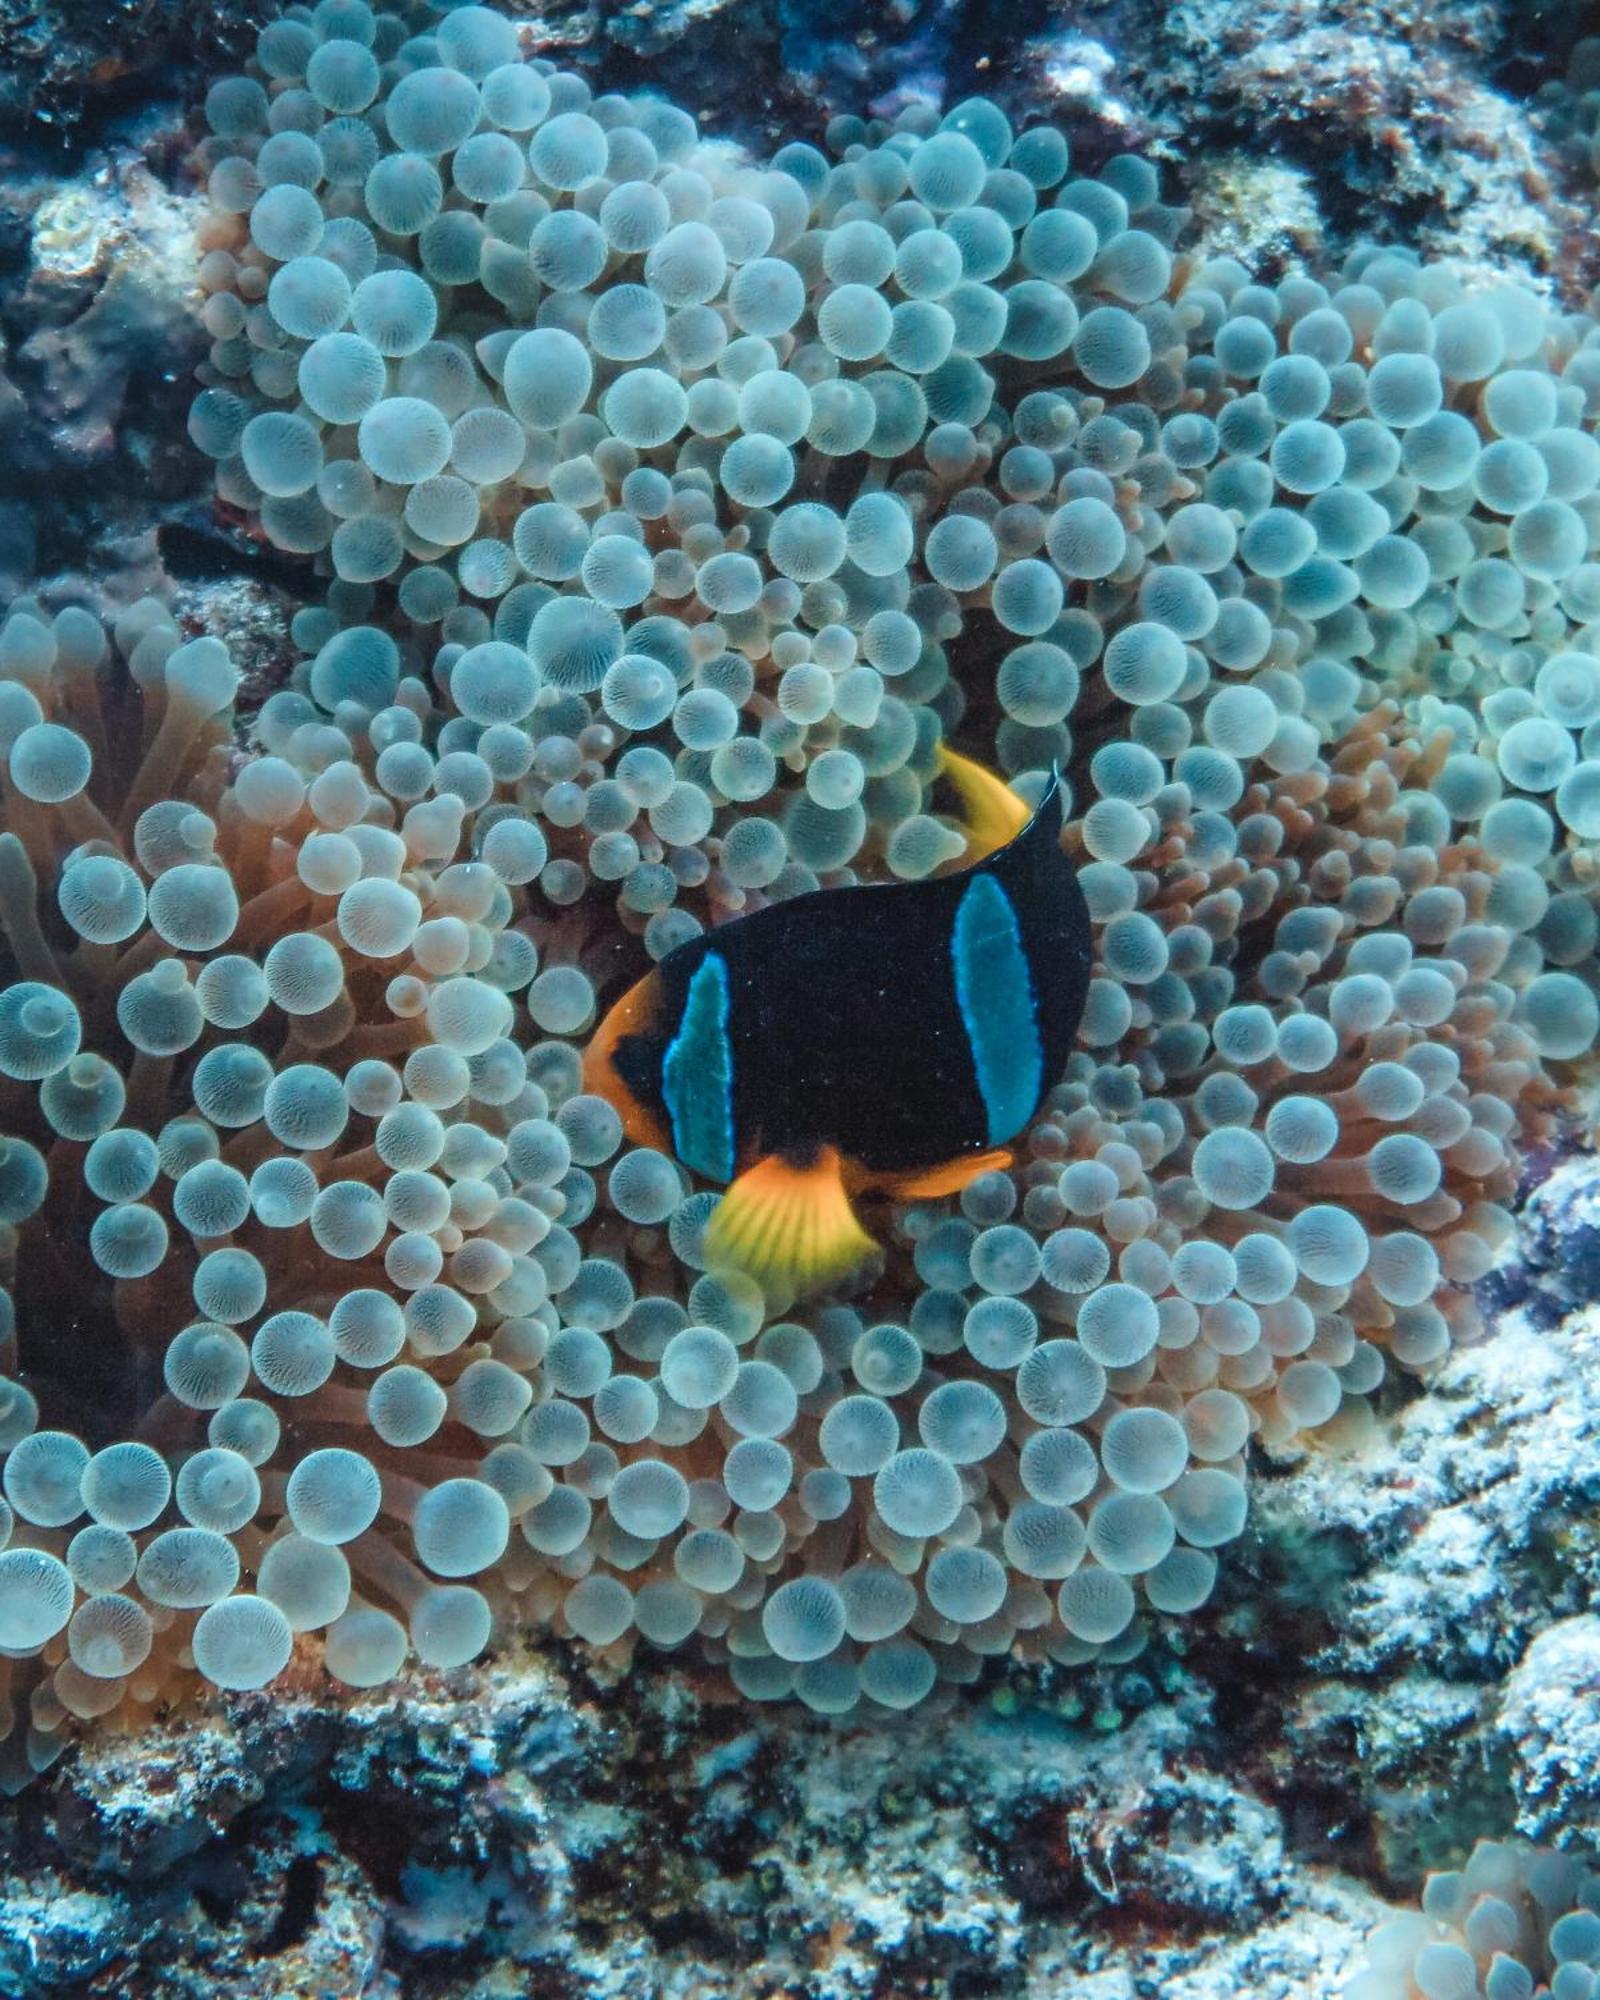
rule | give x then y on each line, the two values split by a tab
521	1817
1426	1595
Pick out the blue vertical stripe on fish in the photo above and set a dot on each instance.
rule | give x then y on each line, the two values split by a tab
697	1076
995	992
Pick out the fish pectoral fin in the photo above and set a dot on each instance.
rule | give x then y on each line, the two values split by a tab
950	1178
788	1226
993	812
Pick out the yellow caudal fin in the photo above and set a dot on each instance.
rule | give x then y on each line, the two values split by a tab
791	1228
994	814
950	1178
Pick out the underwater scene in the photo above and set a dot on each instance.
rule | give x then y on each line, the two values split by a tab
799	995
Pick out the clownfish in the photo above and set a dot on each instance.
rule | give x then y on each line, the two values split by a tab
889	1038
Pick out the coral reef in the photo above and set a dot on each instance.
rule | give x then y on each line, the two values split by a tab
1405	103
1547	1718
1417	1607
511	1829
97	305
68	65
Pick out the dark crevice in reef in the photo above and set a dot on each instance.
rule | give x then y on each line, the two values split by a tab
985	47
100	517
15	230
1325	1821
363	1825
196	550
775	70
73	1353
302	1898
72	70
1035	1864
1538	41
728	68
61	128
1352	182
75	1361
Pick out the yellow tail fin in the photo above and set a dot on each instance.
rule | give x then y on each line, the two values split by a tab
790	1228
994	813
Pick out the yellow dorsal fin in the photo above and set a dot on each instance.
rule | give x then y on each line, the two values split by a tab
791	1228
994	813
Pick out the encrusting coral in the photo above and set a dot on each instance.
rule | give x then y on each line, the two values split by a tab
677	506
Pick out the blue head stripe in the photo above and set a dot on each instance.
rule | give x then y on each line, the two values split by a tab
994	991
697	1075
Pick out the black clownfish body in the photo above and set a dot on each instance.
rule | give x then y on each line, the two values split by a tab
894	1037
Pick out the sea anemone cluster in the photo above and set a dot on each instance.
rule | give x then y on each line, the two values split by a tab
1569	110
1514	1922
676	507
